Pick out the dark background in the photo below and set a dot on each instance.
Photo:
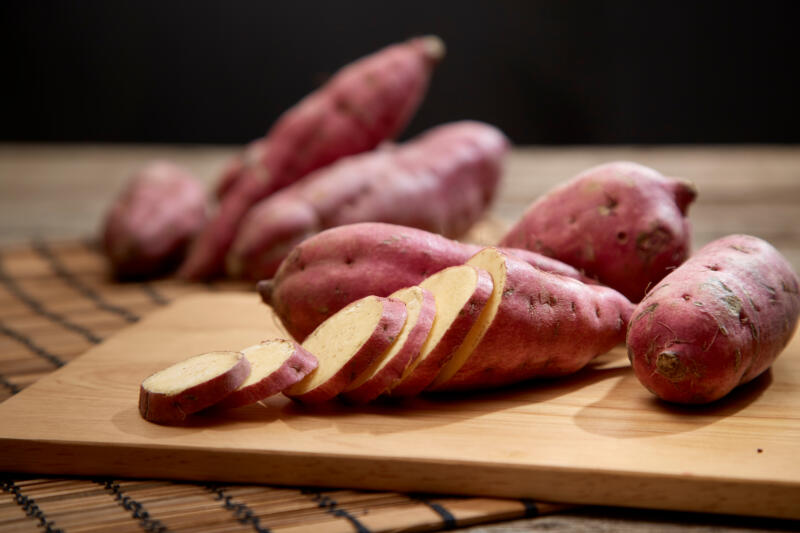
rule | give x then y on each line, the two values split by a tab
543	71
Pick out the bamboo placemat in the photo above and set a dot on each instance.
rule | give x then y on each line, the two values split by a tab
56	301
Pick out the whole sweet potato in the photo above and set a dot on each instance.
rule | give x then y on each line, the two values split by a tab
536	324
716	322
441	182
622	223
150	225
343	264
362	105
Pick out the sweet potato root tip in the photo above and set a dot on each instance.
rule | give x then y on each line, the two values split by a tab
435	49
264	289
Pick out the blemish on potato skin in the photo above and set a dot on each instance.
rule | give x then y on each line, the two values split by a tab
651	243
646	311
669	365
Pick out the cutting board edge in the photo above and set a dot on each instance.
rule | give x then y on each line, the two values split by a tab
762	498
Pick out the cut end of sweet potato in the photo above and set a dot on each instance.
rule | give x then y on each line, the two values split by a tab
191	372
346	343
493	262
170	395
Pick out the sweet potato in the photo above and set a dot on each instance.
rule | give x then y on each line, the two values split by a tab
460	292
716	322
346	344
362	105
623	223
150	225
170	395
412	185
387	369
340	265
254	152
275	365
536	324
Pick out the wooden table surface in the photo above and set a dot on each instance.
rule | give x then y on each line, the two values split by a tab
53	191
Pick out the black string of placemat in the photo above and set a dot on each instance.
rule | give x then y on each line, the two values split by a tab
331	506
37	307
154	295
136	509
29	506
14	388
243	513
531	509
31	345
72	280
448	519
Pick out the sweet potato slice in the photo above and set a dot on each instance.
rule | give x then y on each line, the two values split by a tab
346	344
460	292
170	395
388	368
275	365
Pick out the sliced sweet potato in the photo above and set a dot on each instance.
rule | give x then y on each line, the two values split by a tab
460	293
275	365
170	395
340	265
536	324
385	370
346	344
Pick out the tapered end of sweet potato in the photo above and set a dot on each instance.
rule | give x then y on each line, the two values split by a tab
433	47
684	192
265	288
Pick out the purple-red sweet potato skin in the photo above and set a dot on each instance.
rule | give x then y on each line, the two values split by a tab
341	265
547	325
716	322
150	225
362	105
412	185
622	223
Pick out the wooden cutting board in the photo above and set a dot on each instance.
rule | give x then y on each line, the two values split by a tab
597	437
